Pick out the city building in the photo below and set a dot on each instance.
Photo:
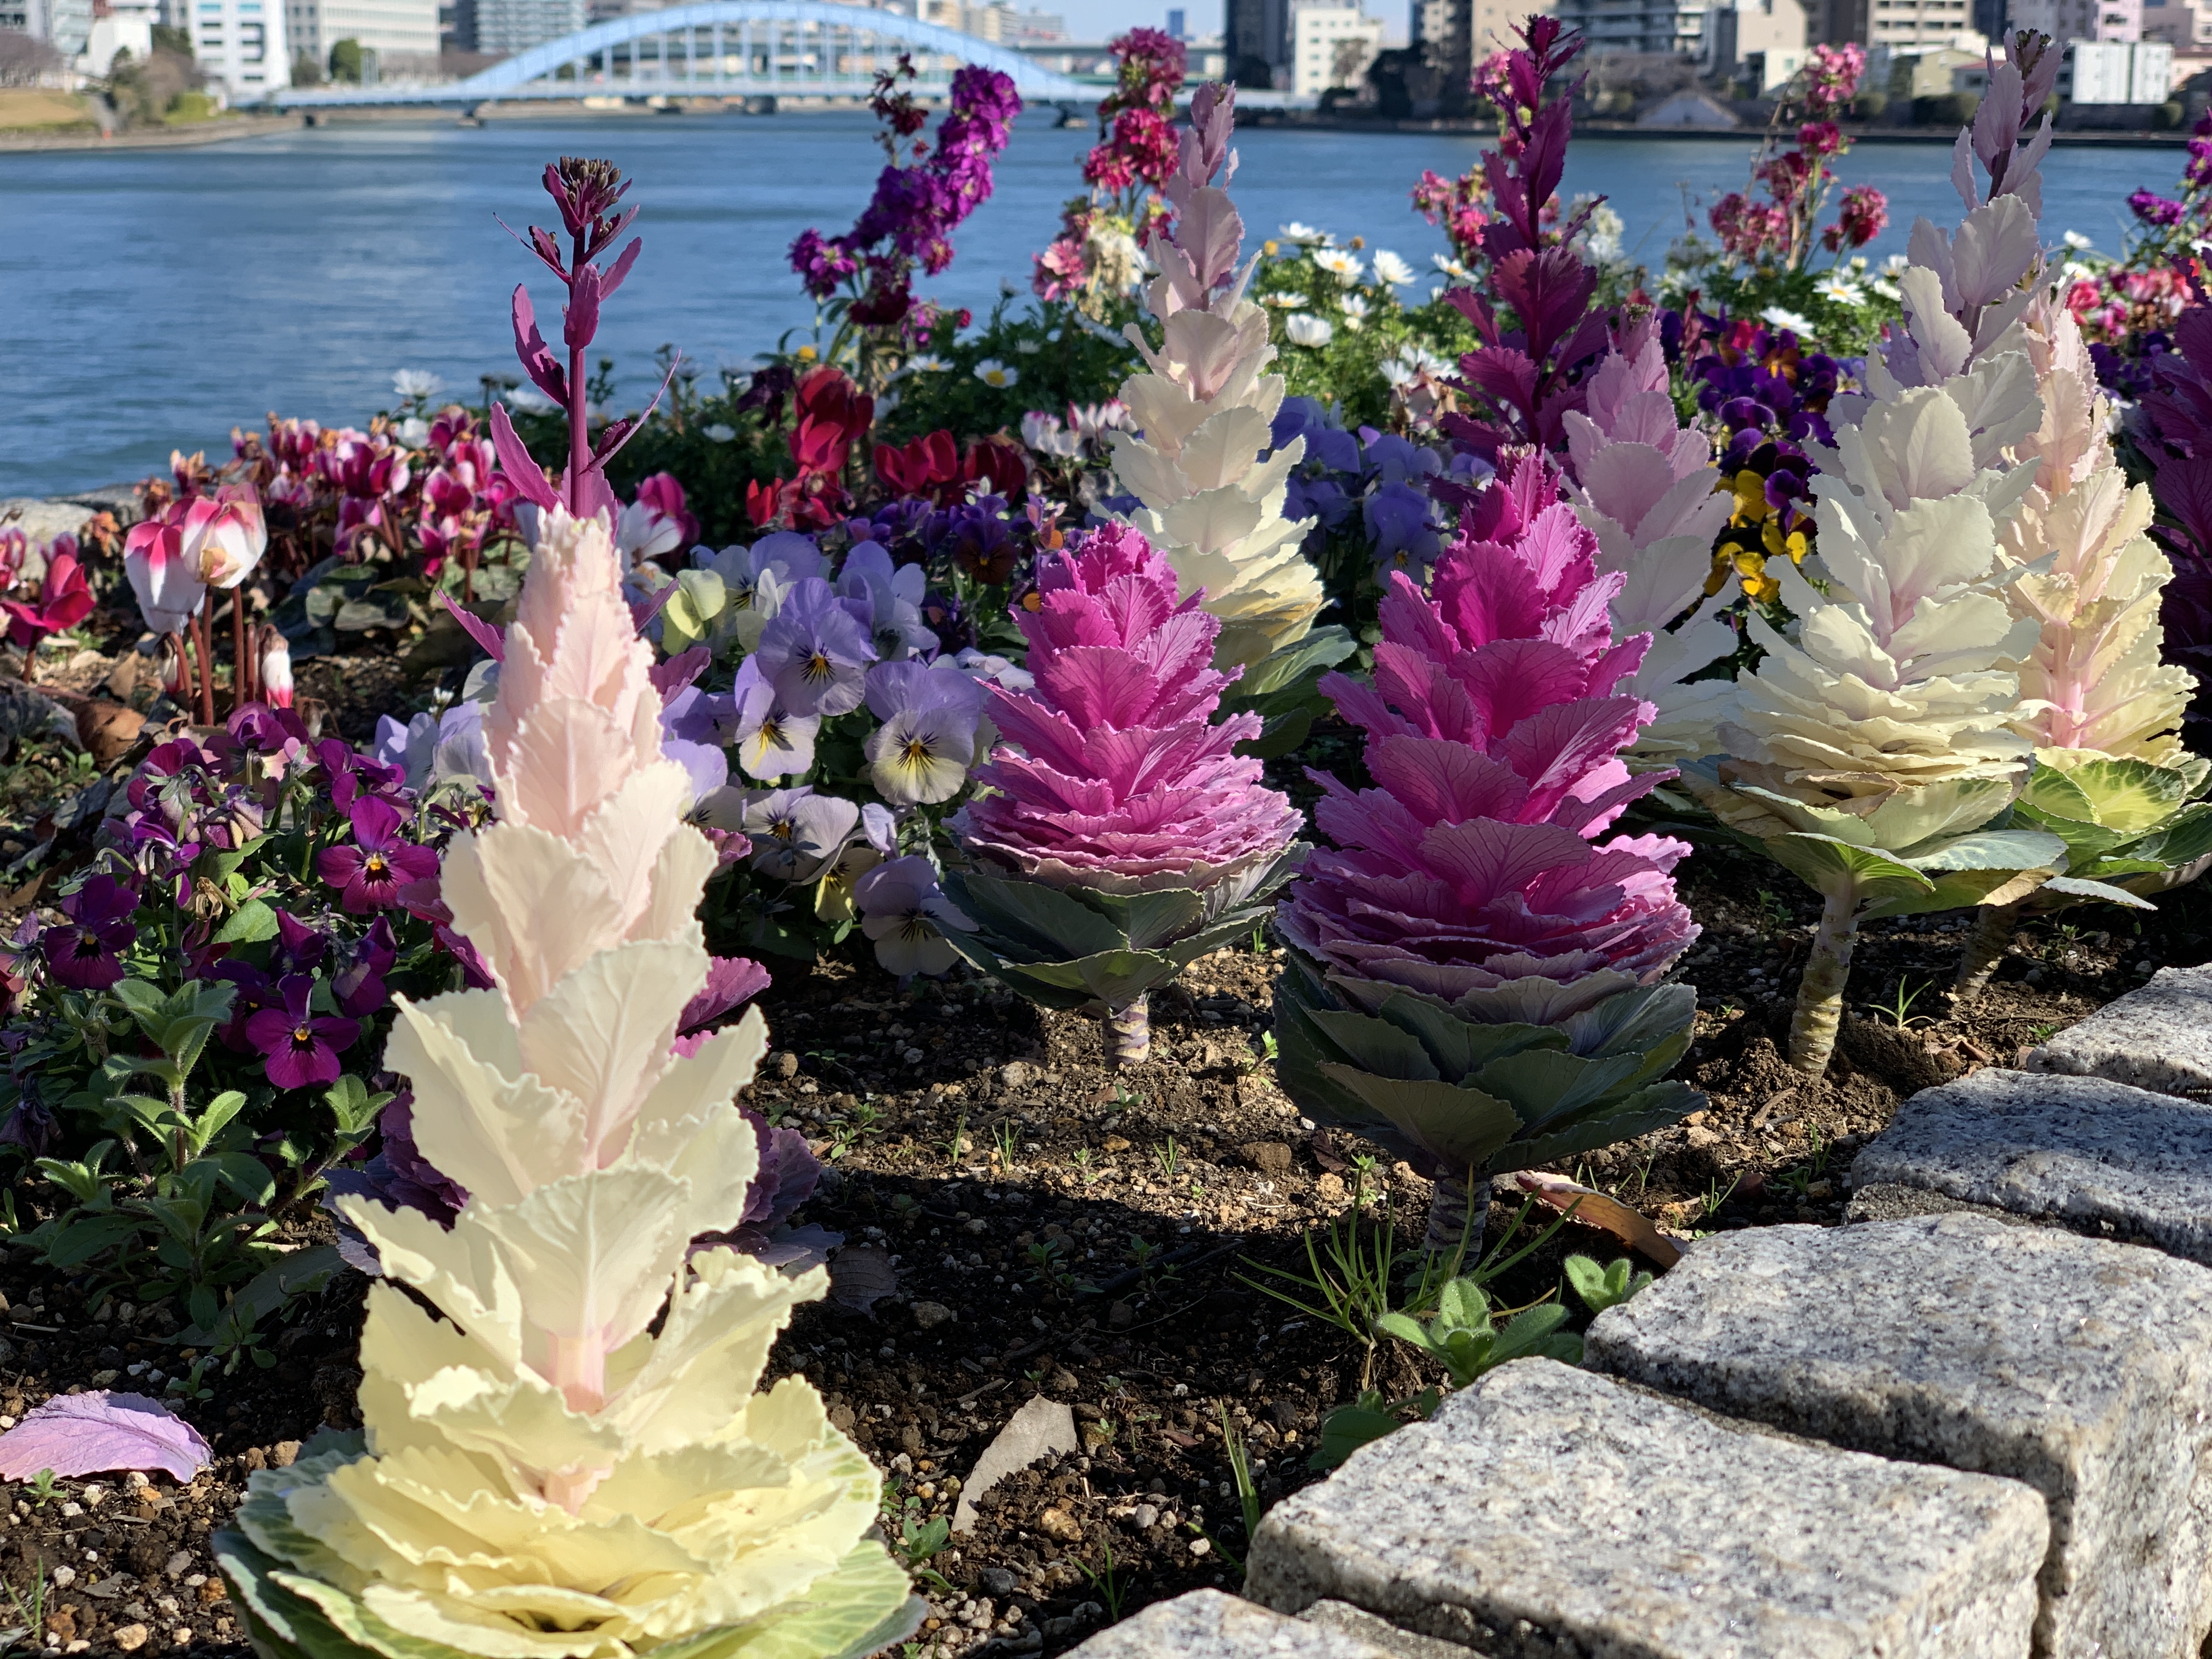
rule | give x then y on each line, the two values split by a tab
2179	23
1454	34
504	27
403	34
1176	23
1761	42
1906	25
2080	20
240	46
2116	72
65	25
1331	47
1671	26
117	29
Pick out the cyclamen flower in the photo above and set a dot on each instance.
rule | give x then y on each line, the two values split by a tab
167	584
224	537
302	1048
84	952
371	871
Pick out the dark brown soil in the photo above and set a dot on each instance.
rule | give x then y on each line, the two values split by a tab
1019	1221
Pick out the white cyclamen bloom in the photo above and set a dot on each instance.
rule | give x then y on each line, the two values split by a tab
1339	264
1782	318
1307	330
1391	270
992	371
412	383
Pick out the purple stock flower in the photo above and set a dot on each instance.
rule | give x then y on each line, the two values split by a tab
922	752
814	653
2155	209
772	740
302	1048
84	952
373	870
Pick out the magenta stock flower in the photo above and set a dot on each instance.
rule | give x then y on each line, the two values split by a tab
373	870
301	1048
1122	834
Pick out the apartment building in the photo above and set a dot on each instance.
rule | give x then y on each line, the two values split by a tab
241	45
1331	47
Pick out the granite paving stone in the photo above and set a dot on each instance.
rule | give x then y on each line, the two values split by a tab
1545	1511
1207	1624
2157	1036
2098	1155
2079	1366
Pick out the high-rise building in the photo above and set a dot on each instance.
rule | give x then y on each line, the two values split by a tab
393	29
2080	20
1671	26
1176	23
1331	47
1762	41
2179	23
507	26
241	45
65	25
1906	25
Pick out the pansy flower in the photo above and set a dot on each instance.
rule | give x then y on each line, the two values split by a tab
85	950
301	1048
373	870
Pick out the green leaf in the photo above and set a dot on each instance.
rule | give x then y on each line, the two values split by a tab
1832	868
246	1176
301	1273
1460	1047
88	1236
1653	1107
1348	1428
250	923
1461	1127
351	1104
1527	1331
1544	1084
1280	735
1378	1046
1994	849
860	1609
1026	921
2081	888
1404	1327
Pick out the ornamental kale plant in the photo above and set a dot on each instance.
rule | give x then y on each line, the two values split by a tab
564	1394
191	1050
1121	836
1474	978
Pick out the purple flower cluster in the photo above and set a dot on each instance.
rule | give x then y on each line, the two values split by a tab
915	208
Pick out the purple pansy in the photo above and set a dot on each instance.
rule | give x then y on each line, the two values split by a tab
302	1048
814	653
772	739
373	870
85	950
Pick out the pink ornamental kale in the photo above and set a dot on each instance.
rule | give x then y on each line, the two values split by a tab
1123	836
1469	916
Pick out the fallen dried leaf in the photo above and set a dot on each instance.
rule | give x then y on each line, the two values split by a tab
1600	1210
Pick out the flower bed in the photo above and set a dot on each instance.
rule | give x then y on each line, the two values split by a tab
1340	767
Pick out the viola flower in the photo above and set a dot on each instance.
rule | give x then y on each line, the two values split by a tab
876	840
301	1048
797	831
814	653
84	952
771	741
887	600
921	754
358	986
906	913
371	871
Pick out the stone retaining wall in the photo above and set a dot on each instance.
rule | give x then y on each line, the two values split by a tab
1976	1421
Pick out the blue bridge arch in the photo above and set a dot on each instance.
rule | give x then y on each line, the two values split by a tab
722	48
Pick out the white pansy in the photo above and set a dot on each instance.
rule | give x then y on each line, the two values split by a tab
1391	270
414	431
991	372
1307	330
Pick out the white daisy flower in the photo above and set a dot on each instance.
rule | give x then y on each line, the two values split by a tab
1887	289
1395	373
1307	330
1287	300
1304	234
991	372
1355	312
1838	291
1784	318
1391	270
418	383
1451	267
2077	242
719	433
1895	266
926	365
1339	264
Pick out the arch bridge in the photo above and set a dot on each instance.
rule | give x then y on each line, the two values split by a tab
723	48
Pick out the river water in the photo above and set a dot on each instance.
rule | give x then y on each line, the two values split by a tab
152	298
